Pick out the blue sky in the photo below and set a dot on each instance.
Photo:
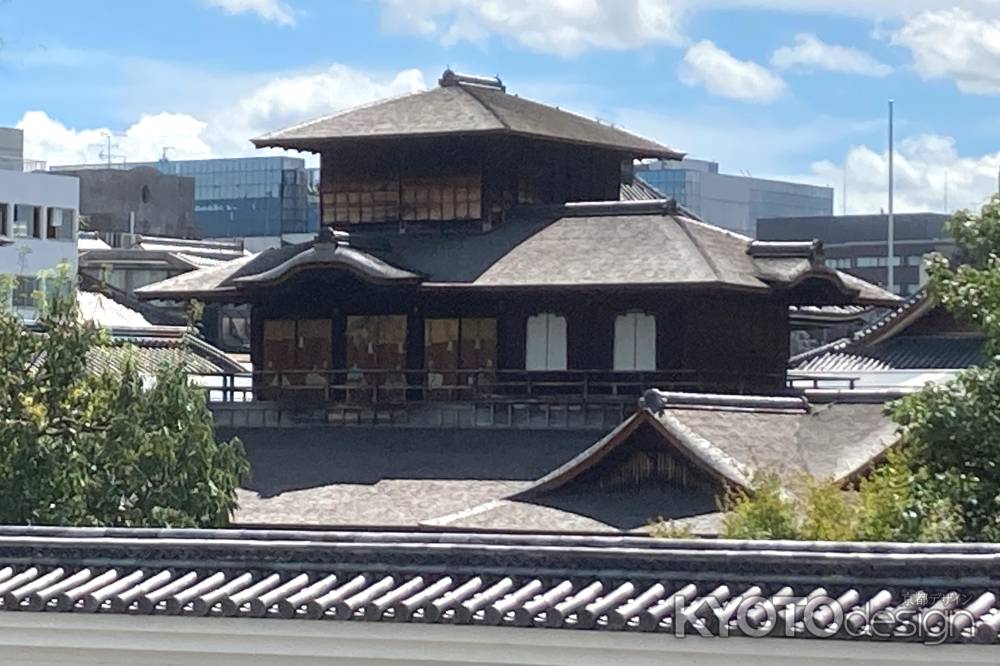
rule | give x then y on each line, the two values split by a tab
781	88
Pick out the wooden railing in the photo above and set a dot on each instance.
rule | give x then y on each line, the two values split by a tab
314	388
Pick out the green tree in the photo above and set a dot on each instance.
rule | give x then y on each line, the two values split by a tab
79	447
942	482
952	431
764	512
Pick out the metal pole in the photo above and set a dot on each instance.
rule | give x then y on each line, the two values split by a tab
844	206
891	241
945	191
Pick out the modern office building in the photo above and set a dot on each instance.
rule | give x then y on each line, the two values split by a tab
11	149
119	203
38	226
261	200
731	201
857	244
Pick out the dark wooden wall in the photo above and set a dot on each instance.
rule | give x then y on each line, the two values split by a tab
719	333
510	169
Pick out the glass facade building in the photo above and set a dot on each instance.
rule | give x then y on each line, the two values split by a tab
731	201
242	197
247	196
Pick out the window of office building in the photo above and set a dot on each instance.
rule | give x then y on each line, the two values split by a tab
877	262
839	262
24	221
59	225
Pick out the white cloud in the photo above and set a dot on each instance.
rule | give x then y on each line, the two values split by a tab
923	165
954	38
273	11
286	100
48	139
955	43
563	27
220	132
810	53
705	64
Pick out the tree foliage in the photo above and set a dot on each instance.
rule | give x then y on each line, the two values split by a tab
764	513
79	447
890	504
942	483
952	431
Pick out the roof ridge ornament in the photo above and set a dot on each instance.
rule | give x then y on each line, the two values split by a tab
329	236
657	401
451	78
637	207
811	250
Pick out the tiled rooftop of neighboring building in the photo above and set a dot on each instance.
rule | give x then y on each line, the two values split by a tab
147	345
893	342
570	582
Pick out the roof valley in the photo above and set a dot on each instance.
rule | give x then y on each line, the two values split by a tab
468	90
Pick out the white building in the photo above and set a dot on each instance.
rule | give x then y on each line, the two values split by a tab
38	227
733	201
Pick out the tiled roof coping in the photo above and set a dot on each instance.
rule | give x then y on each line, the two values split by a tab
656	401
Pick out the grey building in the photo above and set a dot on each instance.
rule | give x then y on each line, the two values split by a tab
140	200
731	201
260	199
12	152
857	243
11	148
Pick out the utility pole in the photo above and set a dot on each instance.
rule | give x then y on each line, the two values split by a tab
891	241
844	193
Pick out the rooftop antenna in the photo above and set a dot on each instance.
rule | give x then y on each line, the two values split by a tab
163	153
107	153
946	190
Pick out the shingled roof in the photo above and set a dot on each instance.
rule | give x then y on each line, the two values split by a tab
553	481
723	439
619	584
601	244
461	105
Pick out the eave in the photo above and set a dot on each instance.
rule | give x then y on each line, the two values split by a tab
320	144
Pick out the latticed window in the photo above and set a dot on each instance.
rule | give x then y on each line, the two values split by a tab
436	198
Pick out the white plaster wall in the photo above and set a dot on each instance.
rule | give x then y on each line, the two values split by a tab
28	256
876	379
33	639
